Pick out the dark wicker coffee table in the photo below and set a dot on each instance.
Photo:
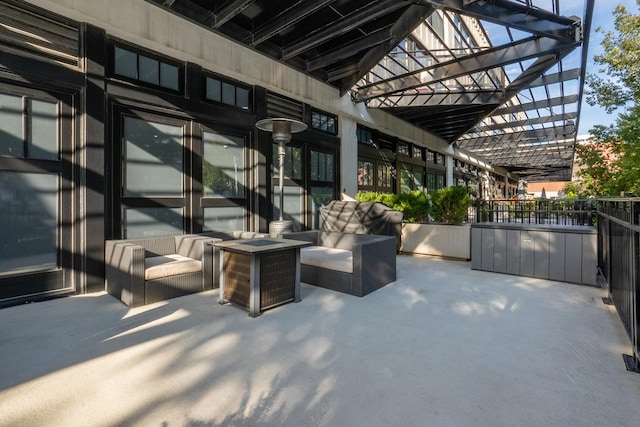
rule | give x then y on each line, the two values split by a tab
259	274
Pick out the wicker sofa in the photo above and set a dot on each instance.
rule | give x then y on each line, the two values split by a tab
356	264
144	271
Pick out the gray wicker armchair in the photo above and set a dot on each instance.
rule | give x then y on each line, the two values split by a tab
143	271
356	264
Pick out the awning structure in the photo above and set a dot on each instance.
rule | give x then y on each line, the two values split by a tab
502	79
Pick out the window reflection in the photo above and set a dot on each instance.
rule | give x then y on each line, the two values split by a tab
28	222
153	158
223	166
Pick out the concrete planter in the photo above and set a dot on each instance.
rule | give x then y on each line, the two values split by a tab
450	241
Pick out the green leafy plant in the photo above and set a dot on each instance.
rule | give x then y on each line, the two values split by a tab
414	205
450	204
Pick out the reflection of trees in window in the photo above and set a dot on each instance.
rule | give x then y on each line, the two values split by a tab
28	219
385	175
321	166
365	173
223	166
292	162
153	158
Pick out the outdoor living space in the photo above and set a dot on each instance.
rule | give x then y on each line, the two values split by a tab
444	345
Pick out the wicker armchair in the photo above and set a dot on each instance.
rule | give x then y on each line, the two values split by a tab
144	271
356	264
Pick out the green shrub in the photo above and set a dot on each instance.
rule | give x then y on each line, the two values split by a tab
415	205
450	204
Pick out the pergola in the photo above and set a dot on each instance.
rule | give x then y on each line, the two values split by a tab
506	84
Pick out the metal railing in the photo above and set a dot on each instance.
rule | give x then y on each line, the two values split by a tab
619	262
563	212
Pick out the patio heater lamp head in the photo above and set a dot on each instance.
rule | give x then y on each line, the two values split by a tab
281	130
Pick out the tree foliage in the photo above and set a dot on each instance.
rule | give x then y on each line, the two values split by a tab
612	163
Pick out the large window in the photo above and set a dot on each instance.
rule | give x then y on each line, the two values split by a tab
322	183
152	178
434	181
411	178
376	175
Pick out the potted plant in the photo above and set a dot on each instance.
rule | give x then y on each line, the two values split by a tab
428	227
450	205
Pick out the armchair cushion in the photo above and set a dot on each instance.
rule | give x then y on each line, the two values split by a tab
170	265
331	258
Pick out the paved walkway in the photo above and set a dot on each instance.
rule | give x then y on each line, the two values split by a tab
442	346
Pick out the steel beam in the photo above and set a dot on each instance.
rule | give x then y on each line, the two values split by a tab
349	49
500	56
527	122
516	15
410	19
550	79
286	20
537	105
230	10
343	26
556	132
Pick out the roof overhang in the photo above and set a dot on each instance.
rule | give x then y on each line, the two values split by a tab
515	89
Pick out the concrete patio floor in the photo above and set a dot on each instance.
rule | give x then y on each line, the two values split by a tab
442	346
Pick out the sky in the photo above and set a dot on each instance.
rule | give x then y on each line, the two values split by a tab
602	17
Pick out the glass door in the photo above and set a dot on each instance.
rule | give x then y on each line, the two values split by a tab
35	193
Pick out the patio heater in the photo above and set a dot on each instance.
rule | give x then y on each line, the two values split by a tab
281	130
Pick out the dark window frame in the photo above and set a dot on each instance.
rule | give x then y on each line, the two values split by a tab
327	116
207	75
138	51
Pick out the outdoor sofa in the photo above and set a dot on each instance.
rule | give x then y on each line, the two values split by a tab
356	264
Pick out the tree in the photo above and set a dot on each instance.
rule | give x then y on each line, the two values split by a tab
612	163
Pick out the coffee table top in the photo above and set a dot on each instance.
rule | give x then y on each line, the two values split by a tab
253	246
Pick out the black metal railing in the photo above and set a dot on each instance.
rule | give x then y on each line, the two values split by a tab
563	212
619	261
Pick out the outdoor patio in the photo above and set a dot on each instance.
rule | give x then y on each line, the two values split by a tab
444	345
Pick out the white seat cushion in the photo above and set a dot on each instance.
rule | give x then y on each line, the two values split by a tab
169	265
329	258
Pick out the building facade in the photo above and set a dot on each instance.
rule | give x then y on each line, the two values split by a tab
120	119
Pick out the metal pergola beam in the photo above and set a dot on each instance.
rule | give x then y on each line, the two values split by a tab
230	10
549	79
537	105
527	122
343	26
500	56
349	49
516	15
287	20
410	19
556	132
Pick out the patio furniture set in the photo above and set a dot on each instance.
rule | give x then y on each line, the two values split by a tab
251	269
